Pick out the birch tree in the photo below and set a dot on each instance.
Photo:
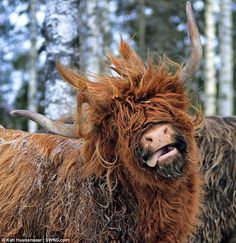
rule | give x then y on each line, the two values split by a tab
226	57
62	45
142	25
95	35
32	87
210	57
105	31
93	38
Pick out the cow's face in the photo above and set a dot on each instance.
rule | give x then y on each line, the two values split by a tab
154	131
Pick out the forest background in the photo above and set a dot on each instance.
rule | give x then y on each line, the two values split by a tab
36	34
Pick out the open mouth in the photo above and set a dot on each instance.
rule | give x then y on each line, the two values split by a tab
167	152
166	161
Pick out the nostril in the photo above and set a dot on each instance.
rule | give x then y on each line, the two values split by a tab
165	130
148	139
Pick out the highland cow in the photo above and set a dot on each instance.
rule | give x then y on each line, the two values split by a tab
217	143
218	168
130	174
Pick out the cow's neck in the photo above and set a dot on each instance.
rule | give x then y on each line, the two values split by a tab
155	213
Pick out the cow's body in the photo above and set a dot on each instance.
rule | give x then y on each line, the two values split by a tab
43	195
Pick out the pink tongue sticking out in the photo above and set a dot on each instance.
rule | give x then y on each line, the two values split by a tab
162	154
154	159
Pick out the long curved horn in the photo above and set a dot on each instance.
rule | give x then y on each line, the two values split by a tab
193	63
55	127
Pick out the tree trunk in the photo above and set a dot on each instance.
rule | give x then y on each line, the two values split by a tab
210	56
62	45
142	26
94	38
105	31
95	32
226	57
32	86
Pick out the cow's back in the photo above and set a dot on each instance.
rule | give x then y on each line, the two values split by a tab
38	173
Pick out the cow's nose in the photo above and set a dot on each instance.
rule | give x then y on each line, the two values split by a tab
158	136
156	133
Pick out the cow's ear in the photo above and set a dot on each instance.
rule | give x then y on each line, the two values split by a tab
73	78
90	91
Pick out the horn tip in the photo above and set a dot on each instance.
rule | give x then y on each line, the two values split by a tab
20	112
188	4
14	113
189	7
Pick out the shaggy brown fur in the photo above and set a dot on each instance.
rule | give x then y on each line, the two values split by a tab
217	142
94	189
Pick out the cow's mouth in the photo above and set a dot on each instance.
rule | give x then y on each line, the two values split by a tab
167	161
167	152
